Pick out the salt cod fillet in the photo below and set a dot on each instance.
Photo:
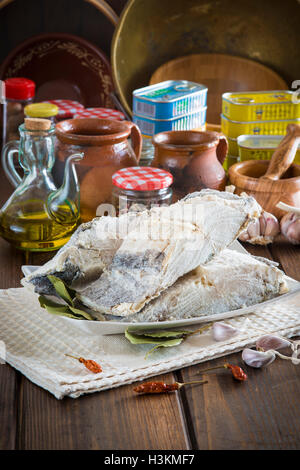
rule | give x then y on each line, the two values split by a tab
167	243
232	280
88	252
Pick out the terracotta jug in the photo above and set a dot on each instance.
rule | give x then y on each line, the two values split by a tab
106	149
194	158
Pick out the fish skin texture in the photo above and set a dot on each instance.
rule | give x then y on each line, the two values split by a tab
88	252
167	243
232	280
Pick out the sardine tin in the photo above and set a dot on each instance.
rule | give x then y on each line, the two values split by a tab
234	129
169	99
260	105
150	127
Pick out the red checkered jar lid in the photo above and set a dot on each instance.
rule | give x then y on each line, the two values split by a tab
66	108
103	113
137	178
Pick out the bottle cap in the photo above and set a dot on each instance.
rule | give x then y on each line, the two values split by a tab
41	110
19	88
138	178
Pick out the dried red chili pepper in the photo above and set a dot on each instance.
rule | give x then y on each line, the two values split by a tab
162	387
91	365
237	372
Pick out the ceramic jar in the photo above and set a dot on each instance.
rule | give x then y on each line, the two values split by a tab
106	150
193	158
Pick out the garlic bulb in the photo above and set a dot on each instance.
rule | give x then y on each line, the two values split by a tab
258	359
290	223
262	230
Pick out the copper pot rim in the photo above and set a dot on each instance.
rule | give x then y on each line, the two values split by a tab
233	173
68	131
212	140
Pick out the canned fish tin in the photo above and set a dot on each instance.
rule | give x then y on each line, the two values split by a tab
233	148
260	106
260	147
140	188
169	99
150	127
229	161
233	129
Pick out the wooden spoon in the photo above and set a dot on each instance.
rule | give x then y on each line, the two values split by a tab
284	155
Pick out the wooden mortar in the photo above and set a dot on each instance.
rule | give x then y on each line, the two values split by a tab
271	181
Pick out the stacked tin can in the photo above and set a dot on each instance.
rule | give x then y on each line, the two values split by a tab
258	114
172	105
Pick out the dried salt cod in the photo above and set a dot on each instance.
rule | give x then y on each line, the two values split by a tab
167	243
88	252
232	280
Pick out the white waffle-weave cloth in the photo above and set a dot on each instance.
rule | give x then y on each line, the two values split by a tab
35	343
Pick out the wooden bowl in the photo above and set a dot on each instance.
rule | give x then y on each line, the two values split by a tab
245	176
220	73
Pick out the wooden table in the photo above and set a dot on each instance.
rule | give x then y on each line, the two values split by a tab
262	413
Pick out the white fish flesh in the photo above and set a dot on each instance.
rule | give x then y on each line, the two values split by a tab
232	280
166	243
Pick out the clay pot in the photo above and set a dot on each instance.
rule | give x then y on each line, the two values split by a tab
106	150
194	158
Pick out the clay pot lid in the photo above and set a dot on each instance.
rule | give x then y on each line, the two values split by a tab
186	140
92	131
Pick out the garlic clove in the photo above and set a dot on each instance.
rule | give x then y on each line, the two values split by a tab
222	331
290	223
262	230
272	342
244	236
272	227
254	229
293	232
258	359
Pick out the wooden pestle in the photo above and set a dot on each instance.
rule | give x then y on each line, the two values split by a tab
284	155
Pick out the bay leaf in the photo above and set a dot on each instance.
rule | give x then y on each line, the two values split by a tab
166	344
84	314
165	333
61	289
141	339
63	310
157	341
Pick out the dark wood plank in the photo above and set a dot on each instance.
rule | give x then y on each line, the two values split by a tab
8	407
261	413
288	256
116	419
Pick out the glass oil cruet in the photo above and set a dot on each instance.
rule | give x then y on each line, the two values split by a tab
38	216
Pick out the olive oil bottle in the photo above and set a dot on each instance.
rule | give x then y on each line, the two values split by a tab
38	216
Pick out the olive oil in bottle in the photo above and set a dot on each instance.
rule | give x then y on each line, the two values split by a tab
38	216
